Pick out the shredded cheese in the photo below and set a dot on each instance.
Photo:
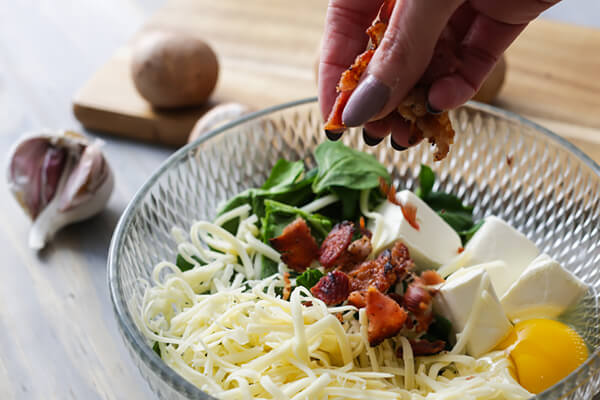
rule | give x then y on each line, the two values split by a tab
234	337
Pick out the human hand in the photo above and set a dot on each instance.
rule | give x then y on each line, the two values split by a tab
450	45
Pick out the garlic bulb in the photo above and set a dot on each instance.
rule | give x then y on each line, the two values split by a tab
58	178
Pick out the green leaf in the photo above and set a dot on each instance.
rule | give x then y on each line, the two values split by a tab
342	166
284	173
295	194
309	278
279	215
350	200
184	265
426	181
446	201
439	329
156	349
459	221
467	234
268	267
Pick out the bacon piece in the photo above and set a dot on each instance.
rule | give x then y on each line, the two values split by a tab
383	272
357	299
357	252
423	347
409	211
335	244
385	316
417	300
287	289
431	277
297	246
350	77
333	288
334	121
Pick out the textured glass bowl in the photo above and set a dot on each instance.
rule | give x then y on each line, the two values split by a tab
500	163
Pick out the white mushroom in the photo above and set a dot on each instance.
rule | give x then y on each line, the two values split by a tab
58	178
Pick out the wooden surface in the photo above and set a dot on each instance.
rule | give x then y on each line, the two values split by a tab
59	338
275	63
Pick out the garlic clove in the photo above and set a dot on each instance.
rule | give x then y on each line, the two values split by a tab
58	178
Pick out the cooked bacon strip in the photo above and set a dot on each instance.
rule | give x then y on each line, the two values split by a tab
436	128
287	289
409	211
333	288
423	347
357	299
357	252
385	316
383	272
297	246
431	277
418	300
335	244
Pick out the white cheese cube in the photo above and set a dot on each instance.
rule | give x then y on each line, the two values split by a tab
544	290
498	241
433	244
470	303
498	271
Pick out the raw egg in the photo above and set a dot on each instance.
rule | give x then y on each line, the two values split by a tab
543	351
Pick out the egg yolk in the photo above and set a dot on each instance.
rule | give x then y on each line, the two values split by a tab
543	352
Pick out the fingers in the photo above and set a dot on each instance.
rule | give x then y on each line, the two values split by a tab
400	59
374	132
481	48
516	12
343	39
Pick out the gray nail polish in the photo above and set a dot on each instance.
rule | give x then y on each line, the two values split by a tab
367	100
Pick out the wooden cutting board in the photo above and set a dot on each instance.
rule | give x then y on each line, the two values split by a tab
267	50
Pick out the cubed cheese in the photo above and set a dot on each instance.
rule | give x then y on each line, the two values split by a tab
544	290
470	303
498	241
497	270
433	244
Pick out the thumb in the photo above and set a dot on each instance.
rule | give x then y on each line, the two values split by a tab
401	58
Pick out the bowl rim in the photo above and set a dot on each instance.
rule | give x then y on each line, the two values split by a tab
125	320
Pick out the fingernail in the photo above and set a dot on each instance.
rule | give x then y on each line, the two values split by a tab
333	135
370	140
396	146
431	109
367	100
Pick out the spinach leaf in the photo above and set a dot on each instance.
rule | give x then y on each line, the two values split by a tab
268	267
426	181
184	265
341	166
286	190
466	235
350	200
309	278
284	173
279	215
439	329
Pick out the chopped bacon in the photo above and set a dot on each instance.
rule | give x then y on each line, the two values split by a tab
287	289
417	300
409	211
431	277
357	252
335	244
385	316
357	299
423	347
436	128
297	246
383	272
333	288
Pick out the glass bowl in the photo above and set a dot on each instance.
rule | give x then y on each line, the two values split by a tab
500	163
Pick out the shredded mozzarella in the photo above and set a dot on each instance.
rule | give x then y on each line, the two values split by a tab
231	334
